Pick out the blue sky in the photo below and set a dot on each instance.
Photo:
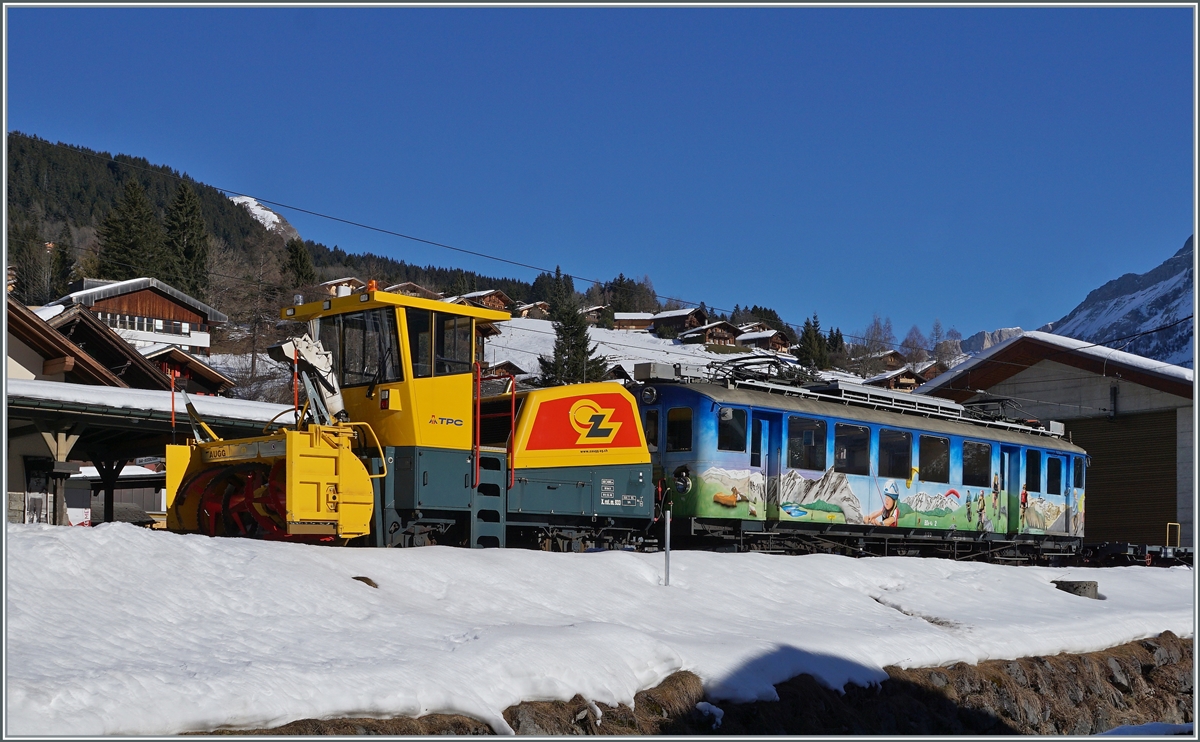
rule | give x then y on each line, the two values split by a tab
987	167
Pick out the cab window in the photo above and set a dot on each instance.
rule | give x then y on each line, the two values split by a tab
651	428
1033	471
1054	472
679	429
731	429
363	347
439	344
1078	479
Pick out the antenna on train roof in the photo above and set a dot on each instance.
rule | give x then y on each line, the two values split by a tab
761	368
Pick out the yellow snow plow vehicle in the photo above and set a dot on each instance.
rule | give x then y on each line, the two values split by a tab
398	444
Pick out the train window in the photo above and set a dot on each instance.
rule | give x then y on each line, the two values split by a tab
369	348
1078	479
1033	471
679	429
731	429
895	453
651	427
977	464
806	443
1054	472
420	343
934	464
851	449
453	345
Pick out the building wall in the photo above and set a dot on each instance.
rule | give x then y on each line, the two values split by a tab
1185	453
26	363
1066	392
18	449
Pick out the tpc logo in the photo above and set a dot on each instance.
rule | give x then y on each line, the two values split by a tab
435	420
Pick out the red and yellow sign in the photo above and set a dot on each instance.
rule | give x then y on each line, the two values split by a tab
582	424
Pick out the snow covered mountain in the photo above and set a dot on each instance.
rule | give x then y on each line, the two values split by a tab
983	339
272	220
1137	303
924	502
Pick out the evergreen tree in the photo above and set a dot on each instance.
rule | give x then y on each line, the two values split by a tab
28	260
298	266
186	243
131	240
573	361
812	349
62	263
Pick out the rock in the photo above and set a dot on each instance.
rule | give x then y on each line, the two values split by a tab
1117	675
1014	671
1082	588
1083	726
526	725
938	679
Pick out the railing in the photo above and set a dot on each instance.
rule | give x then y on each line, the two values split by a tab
149	324
480	377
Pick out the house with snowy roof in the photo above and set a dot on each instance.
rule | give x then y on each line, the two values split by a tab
713	333
900	379
343	286
1132	414
408	288
487	299
593	314
144	311
768	339
532	310
678	319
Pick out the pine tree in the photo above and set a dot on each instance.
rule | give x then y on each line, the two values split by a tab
299	266
27	257
573	361
131	240
812	349
62	263
186	242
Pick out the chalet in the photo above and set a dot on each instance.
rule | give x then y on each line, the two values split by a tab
593	314
1133	415
343	286
145	311
766	339
191	374
754	327
714	333
534	310
508	367
488	299
902	379
886	360
408	288
101	342
679	319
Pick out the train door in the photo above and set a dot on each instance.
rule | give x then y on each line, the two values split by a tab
766	456
1010	486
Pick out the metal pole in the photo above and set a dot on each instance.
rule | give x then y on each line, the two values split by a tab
667	550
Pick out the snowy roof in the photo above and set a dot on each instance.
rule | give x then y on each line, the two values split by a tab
141	402
763	335
632	315
49	312
597	308
347	281
697	330
675	313
888	375
485	629
130	470
1138	369
89	296
531	305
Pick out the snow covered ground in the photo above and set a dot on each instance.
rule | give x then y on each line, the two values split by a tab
119	630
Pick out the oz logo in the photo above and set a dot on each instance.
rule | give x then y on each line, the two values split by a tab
593	422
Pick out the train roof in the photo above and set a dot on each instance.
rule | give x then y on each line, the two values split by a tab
806	405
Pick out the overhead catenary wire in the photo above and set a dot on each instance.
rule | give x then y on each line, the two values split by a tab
508	261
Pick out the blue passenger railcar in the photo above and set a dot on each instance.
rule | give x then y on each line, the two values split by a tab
748	457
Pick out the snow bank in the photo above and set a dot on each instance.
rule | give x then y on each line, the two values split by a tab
120	630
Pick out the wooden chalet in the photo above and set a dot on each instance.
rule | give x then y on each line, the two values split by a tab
101	342
713	333
343	286
592	315
679	319
38	351
408	288
146	311
902	379
191	374
488	299
768	339
533	310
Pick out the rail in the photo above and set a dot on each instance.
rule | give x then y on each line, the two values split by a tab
480	377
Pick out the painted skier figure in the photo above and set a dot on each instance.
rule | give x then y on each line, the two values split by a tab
996	494
1024	502
979	503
